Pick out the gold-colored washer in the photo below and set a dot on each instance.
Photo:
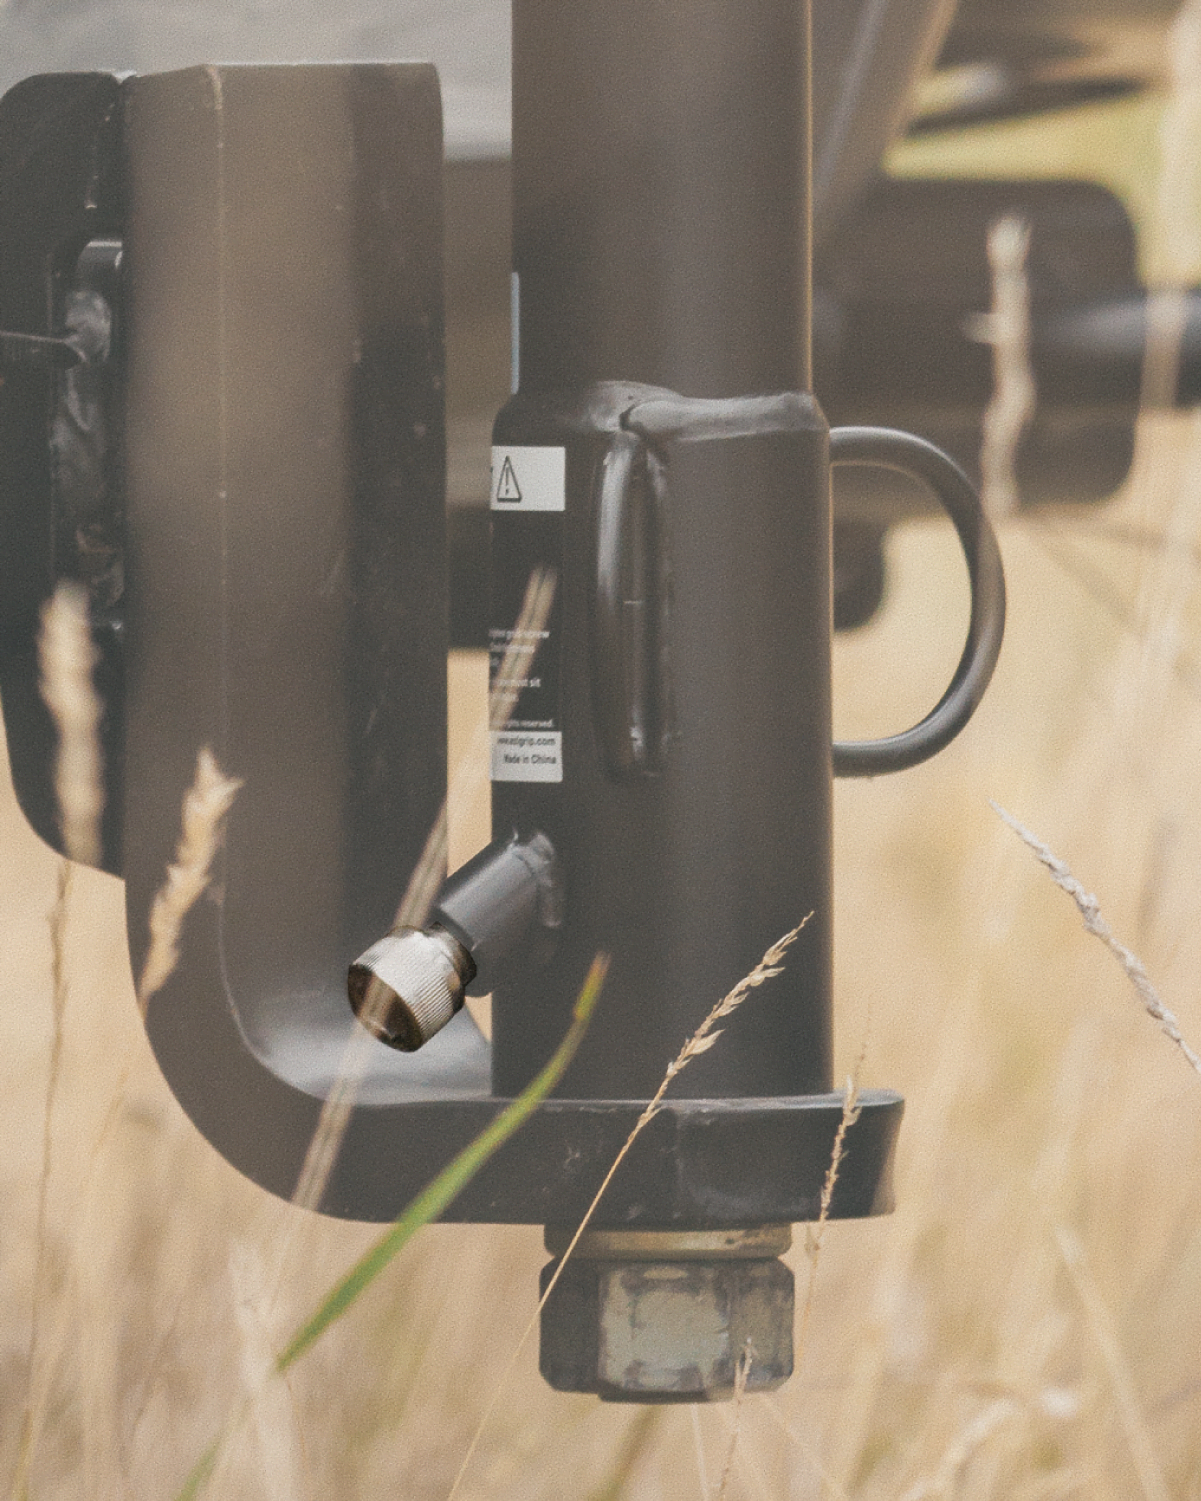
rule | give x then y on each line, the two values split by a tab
758	1242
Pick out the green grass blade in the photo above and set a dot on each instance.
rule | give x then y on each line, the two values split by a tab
201	1471
430	1202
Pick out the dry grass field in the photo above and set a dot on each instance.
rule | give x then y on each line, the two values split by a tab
1026	1325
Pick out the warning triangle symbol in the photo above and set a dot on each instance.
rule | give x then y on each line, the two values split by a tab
508	490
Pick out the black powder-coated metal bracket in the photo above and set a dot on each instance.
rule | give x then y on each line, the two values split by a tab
61	218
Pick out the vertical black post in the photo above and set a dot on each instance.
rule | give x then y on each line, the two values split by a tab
661	213
661	182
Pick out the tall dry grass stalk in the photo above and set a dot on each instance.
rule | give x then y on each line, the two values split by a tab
1095	923
1008	332
825	1478
205	806
423	886
944	1483
638	1438
698	1445
270	1426
34	1380
1130	1415
67	660
742	1374
1175	253
815	1234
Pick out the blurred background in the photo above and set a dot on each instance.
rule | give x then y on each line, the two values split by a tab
1027	1323
467	40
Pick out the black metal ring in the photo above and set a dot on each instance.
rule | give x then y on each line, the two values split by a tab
890	449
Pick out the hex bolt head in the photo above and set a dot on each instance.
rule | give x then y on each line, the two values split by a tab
667	1331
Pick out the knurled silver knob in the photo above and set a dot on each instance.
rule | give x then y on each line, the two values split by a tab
406	987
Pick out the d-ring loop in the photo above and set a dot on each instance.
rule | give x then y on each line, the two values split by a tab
887	448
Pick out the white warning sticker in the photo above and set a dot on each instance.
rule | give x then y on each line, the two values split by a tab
529	479
527	756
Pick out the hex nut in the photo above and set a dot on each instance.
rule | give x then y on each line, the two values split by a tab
667	1331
